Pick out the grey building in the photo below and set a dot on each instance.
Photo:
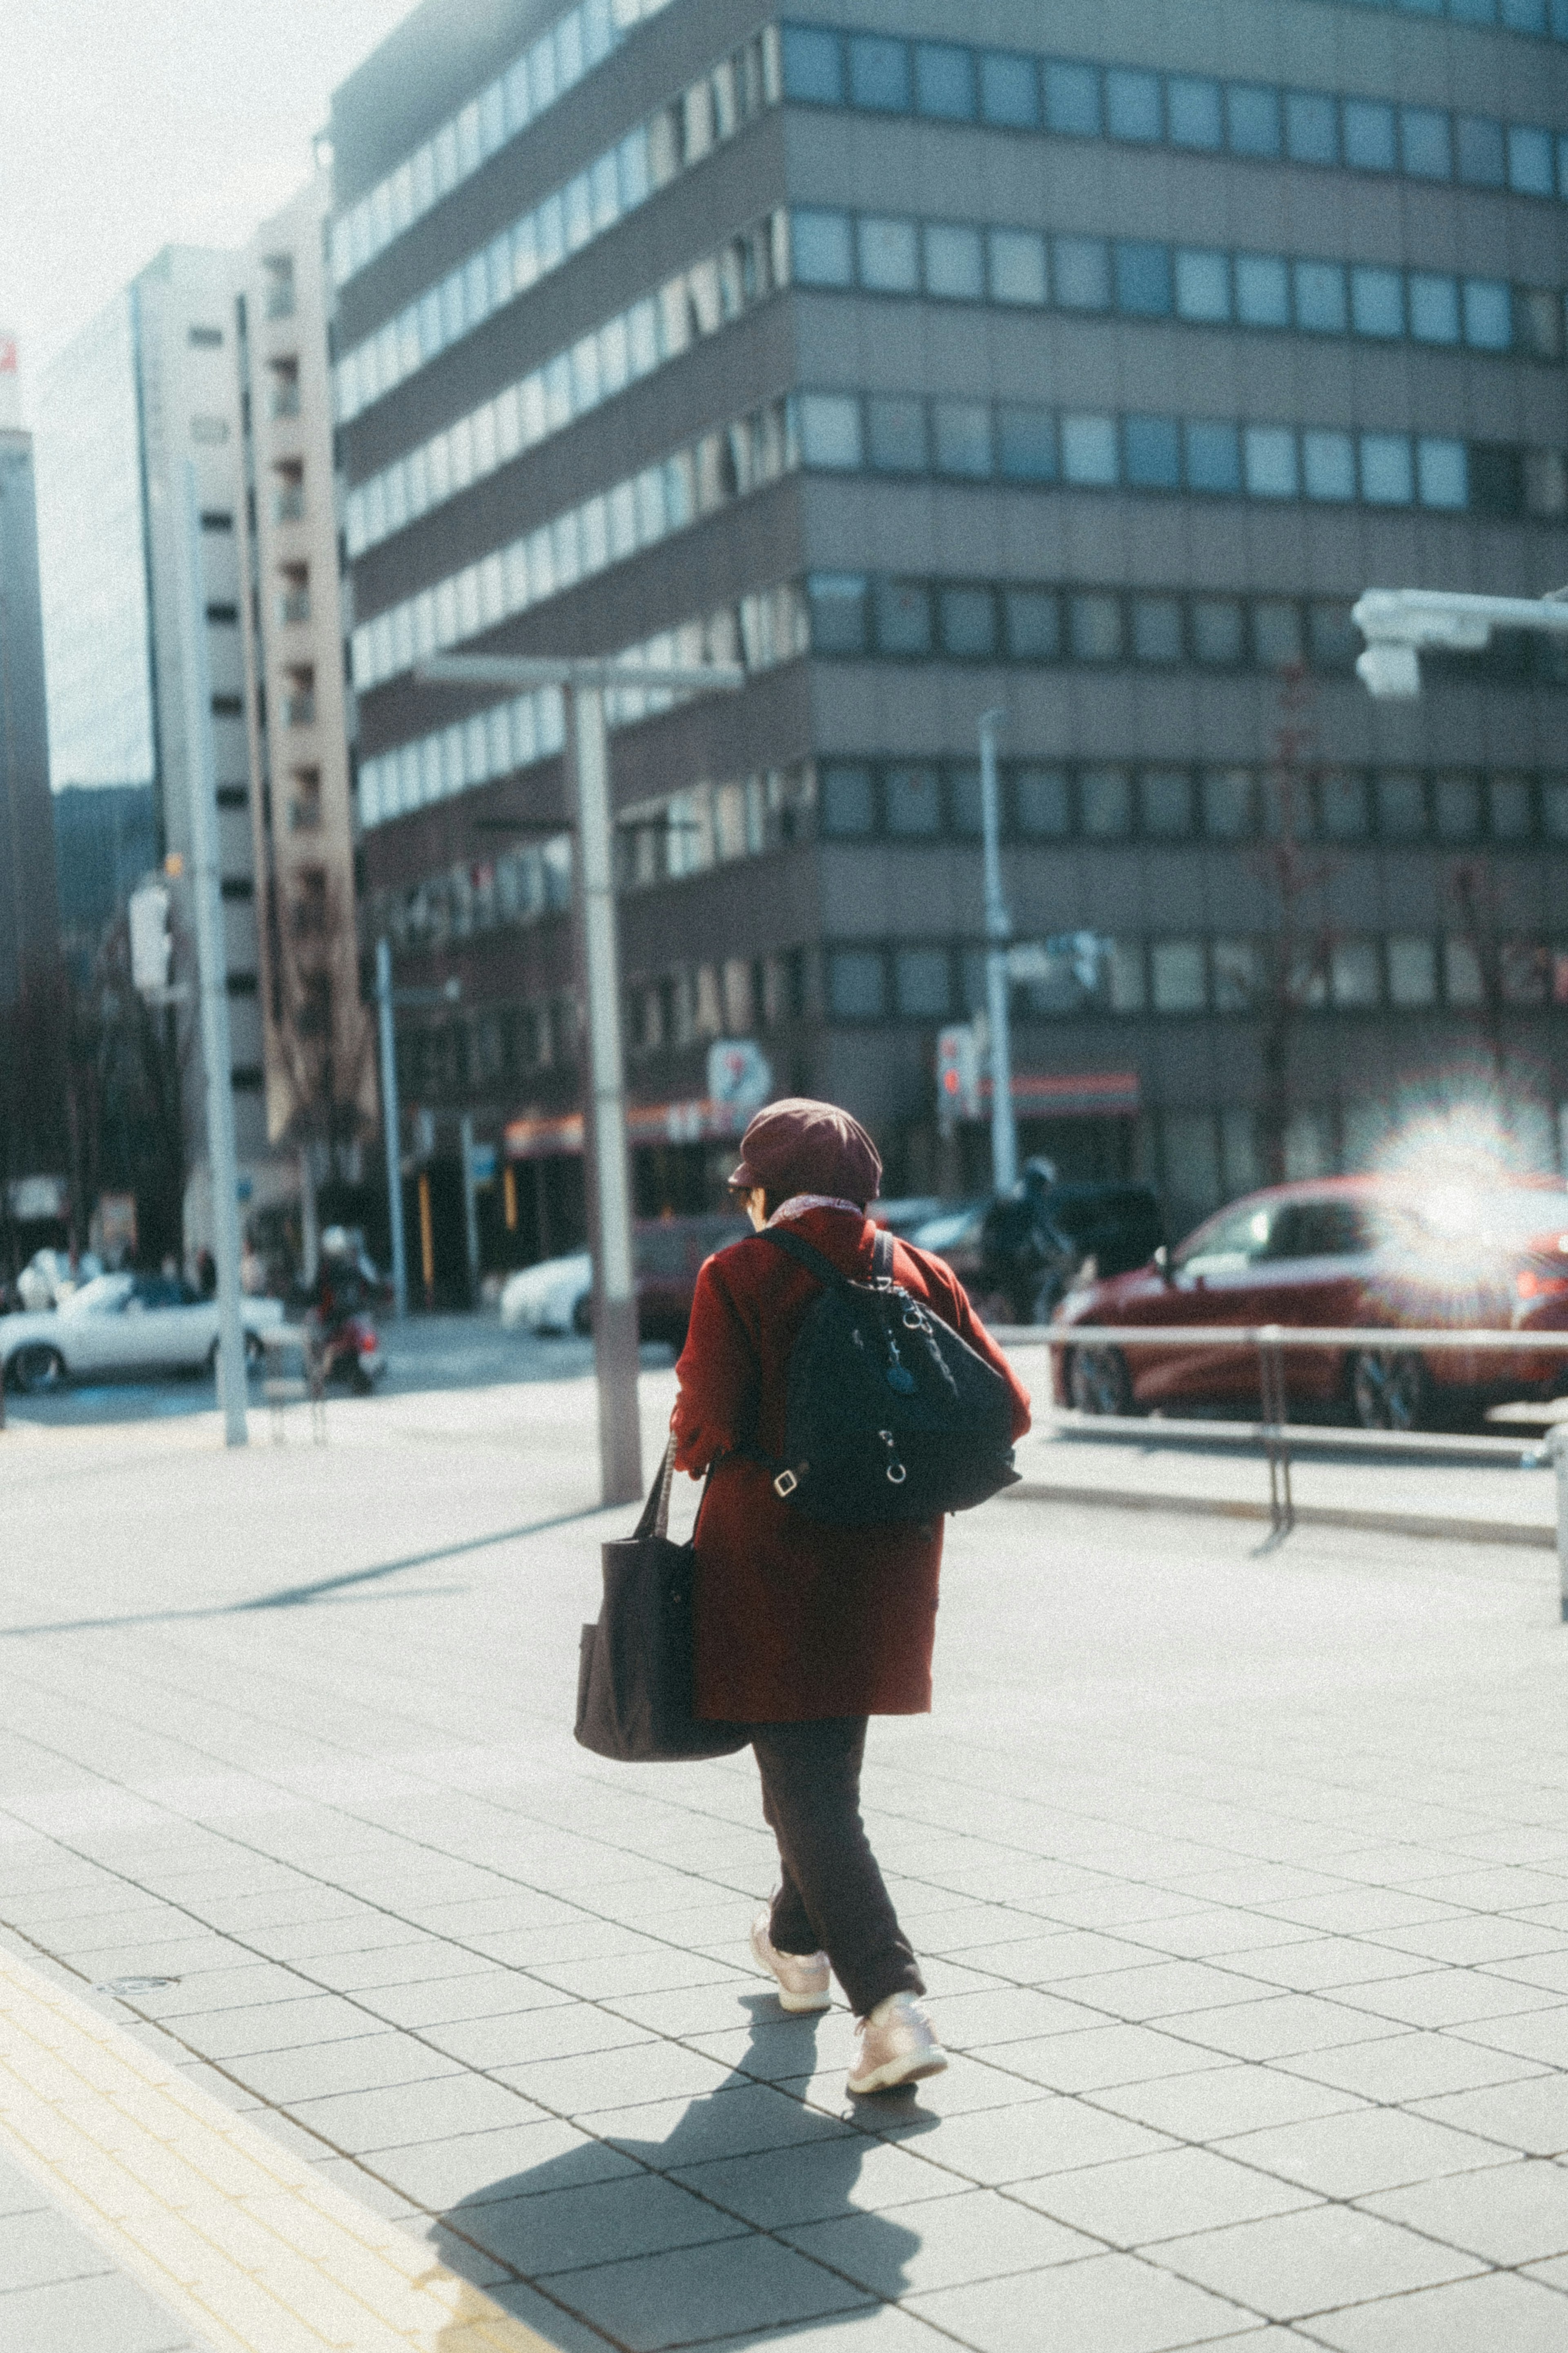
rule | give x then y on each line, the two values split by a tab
1089	366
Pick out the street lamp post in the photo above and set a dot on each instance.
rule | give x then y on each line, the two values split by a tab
584	683
998	935
391	1127
1401	624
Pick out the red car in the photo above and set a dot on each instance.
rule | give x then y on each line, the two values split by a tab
1347	1251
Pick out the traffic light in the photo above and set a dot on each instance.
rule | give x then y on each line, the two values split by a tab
957	1076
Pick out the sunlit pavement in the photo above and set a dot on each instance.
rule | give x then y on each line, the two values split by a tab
1242	1878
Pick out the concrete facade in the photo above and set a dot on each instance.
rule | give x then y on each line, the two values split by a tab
32	1074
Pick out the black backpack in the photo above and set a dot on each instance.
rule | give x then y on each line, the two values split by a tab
890	1415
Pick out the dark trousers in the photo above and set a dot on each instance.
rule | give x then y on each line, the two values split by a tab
833	1899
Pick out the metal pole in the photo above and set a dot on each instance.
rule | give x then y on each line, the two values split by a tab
391	1127
212	968
1558	1444
998	932
605	1102
471	1205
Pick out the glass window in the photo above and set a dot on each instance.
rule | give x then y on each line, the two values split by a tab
1132	105
1176	976
913	801
1328	465
1462	980
1096	627
1236	975
1270	460
923	979
955	269
845	799
1369	134
1217	635
1488	314
1400	806
1480	151
1321	296
1312	132
1530	16
1555	808
1276	632
1143	280
1105	803
821	248
1040	801
963	801
1434	307
1457	807
968	623
1509	801
1027	443
1166	803
1342	811
1017	266
1423	143
1442	473
1262	290
879	73
1153	453
1538	321
1213	458
1333	636
902	608
1157	630
1412	972
829	429
837	603
1355	982
1529	162
1252	116
1081	269
857	984
1193	105
1377	302
1203	284
1123	980
963	438
1386	475
944	81
1033	624
896	436
1227	794
812	66
1009	93
1088	451
887	256
1072	100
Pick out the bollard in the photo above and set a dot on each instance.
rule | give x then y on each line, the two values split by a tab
1557	1448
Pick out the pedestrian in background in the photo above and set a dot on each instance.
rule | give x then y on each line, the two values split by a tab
802	1629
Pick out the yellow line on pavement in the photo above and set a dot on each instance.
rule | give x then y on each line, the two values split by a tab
244	2239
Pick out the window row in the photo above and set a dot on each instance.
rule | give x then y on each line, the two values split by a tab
1109	801
615	183
860	613
576	545
1138	278
1404	972
762	629
734	997
556	62
694	303
1547	19
707	825
1011	89
979	441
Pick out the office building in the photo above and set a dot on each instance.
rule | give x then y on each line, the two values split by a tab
1086	364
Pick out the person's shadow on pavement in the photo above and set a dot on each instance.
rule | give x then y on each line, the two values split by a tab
657	2243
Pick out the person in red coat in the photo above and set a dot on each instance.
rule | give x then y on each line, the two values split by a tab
803	1631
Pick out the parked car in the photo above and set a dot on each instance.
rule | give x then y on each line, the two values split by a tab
556	1295
122	1324
1017	1254
48	1277
1350	1250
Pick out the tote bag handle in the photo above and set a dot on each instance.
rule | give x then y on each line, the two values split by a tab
655	1520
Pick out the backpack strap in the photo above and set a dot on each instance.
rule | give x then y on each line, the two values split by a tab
882	1255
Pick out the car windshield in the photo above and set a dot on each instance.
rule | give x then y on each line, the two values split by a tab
1227	1243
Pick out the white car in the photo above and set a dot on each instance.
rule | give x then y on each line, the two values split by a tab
120	1324
554	1296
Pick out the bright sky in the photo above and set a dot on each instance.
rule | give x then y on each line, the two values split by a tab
127	125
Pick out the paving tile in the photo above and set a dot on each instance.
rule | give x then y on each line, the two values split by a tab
1293	2265
601	2222
1514	2213
637	1972
650	2070
363	2062
1217	1932
1222	2101
1279	2026
671	2134
716	2008
1475	1939
974	2235
358	2122
1400	2068
1447	1997
437	2001
471	2168
104	2312
1097	2058
1019	2143
965	2085
1137	2201
1109	2303
41	2246
1164	1989
292	2025
519	2039
1320	1964
1531	2117
975	2021
1541	2036
818	2179
1519	2313
546	2319
1039	1958
739	2283
1352	2156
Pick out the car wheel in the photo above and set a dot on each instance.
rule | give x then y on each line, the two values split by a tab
1099	1381
38	1368
1390	1390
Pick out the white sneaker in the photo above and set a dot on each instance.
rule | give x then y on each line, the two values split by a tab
896	2044
802	1977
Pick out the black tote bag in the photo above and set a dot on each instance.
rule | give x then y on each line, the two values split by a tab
633	1668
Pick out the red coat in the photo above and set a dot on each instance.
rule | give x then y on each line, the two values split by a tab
793	1618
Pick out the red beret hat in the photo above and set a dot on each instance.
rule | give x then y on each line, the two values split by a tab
801	1147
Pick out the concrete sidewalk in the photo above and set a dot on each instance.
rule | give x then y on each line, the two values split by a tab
1242	1880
